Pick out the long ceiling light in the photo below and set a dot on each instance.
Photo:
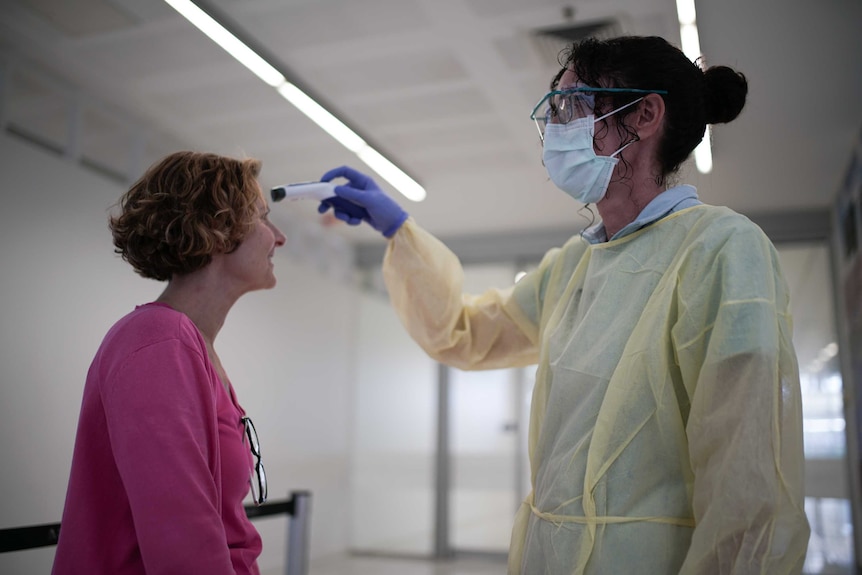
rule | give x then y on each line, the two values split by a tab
691	48
317	113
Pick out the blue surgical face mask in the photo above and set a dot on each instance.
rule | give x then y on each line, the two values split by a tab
572	162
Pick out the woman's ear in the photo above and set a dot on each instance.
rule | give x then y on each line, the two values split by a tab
650	116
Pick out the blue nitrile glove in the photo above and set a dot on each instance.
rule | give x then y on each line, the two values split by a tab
381	211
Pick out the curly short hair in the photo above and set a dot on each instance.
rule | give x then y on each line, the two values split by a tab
184	209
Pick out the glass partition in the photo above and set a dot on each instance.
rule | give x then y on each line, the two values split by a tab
484	442
394	442
807	269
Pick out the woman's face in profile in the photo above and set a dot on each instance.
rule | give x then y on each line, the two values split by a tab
251	262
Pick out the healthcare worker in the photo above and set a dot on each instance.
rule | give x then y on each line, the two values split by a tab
666	428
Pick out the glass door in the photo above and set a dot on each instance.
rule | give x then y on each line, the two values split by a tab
483	459
807	269
486	454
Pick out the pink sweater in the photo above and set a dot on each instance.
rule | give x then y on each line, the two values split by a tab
160	469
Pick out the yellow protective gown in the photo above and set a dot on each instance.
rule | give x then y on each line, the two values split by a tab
666	424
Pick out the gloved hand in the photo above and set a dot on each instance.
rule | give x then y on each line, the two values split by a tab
380	211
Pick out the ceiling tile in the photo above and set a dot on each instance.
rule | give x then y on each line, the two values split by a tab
82	17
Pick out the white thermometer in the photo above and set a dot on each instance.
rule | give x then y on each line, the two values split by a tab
303	191
323	192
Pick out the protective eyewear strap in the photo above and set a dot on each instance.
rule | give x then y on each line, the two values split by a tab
623	107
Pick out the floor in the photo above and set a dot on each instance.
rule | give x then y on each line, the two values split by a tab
361	565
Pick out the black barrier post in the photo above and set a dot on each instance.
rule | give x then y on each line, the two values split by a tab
20	538
298	508
298	534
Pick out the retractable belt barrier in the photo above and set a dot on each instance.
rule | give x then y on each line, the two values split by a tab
298	509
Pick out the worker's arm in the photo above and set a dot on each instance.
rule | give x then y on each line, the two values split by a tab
733	345
424	279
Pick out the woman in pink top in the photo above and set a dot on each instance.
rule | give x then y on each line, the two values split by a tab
162	459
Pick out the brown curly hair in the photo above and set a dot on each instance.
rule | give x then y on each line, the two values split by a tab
184	209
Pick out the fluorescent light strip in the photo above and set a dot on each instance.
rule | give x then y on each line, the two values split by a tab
703	153
690	40
320	116
392	174
685	11
304	103
350	140
233	45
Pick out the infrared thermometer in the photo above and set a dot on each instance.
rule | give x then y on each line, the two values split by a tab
320	191
303	191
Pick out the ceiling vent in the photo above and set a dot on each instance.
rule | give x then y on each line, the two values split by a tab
550	41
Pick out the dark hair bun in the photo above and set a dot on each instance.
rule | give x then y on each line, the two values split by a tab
725	90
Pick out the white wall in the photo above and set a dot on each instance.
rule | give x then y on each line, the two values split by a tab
288	351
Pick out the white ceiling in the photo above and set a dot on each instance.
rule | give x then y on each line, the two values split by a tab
444	87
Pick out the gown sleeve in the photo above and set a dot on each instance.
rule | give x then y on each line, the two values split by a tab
488	331
732	341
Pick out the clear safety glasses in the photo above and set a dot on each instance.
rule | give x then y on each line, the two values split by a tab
564	106
258	479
